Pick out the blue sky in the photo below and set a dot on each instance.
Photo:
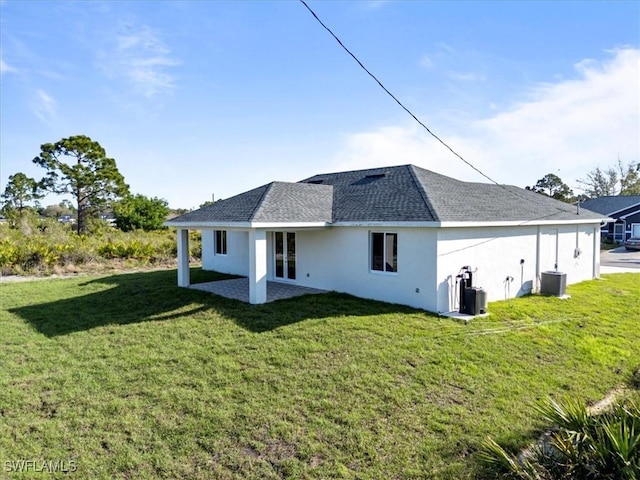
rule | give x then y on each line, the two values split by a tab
216	97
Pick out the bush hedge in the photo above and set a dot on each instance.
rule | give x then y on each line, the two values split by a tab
46	246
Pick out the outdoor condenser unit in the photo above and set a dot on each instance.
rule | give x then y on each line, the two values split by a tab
475	301
553	283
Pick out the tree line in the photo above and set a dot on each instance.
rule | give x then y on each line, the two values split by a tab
79	167
619	179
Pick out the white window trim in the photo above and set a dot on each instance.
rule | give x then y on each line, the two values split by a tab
370	259
215	243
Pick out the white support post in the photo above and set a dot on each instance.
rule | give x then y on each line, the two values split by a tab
596	252
183	258
257	266
536	284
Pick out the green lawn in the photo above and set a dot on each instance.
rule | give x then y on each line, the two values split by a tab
128	376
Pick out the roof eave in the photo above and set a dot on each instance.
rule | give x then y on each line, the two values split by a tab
516	223
245	225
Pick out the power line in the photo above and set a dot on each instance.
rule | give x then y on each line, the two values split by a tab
394	97
388	92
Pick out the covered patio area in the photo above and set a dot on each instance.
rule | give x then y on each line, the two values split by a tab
238	289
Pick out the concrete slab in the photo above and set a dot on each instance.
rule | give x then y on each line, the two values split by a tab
238	289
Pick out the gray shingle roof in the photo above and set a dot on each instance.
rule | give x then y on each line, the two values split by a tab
608	205
274	202
393	194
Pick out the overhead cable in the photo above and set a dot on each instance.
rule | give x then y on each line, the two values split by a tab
394	97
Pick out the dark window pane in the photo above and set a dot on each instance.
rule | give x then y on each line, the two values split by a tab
279	255
291	256
377	251
221	242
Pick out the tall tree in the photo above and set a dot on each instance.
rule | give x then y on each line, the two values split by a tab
629	178
140	212
553	186
599	183
91	177
20	191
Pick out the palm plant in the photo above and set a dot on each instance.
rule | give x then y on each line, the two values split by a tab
583	445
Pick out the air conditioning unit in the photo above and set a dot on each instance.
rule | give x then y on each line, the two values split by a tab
475	301
553	283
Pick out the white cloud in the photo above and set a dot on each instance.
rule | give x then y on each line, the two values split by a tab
142	58
43	106
568	128
5	68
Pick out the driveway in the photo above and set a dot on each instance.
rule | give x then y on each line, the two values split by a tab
620	258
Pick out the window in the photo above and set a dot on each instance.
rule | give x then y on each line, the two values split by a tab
384	252
618	232
221	242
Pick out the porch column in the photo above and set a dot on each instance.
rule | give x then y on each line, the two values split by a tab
536	285
257	266
183	258
596	252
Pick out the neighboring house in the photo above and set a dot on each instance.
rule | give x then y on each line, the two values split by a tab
67	219
398	234
624	209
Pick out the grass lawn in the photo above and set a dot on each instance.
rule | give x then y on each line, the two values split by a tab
128	376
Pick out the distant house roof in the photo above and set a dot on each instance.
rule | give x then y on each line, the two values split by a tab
611	205
393	194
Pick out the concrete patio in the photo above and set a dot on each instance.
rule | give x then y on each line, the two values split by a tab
238	289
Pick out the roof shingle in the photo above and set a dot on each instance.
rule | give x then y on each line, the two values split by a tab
393	194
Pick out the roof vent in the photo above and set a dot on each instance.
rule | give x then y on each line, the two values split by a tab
369	178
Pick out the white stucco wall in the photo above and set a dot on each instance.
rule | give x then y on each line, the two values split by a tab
496	254
235	262
429	259
338	259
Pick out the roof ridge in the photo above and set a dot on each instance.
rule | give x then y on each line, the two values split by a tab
260	202
423	193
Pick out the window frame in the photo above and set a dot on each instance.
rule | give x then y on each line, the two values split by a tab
220	242
385	235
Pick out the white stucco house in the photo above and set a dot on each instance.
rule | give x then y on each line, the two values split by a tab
399	234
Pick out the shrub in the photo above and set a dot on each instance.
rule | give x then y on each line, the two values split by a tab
584	445
42	245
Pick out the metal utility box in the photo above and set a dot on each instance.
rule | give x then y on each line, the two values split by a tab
553	283
475	301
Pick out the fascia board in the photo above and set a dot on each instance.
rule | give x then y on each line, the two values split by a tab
631	214
625	208
245	225
525	223
199	225
272	225
388	224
